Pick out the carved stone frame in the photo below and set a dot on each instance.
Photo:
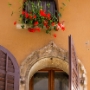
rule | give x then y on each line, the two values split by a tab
49	56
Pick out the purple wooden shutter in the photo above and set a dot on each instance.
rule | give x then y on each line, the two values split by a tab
73	64
9	71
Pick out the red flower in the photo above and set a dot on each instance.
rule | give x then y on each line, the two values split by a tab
36	23
61	26
48	15
31	29
47	27
34	16
55	35
30	17
52	23
45	23
26	15
15	23
37	29
42	13
23	12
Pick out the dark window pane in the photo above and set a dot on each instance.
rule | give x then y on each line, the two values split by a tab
44	3
61	81
41	81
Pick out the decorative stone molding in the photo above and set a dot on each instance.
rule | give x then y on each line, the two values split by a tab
49	56
83	76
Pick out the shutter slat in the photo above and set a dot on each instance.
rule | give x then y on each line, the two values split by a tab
2	83
2	79
2	87
2	67
9	70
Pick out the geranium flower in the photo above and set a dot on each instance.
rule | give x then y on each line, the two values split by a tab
47	27
45	23
26	15
34	16
23	12
15	23
42	13
31	29
36	23
55	35
37	29
61	26
30	16
52	23
48	15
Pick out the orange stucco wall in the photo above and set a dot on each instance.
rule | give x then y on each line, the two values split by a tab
21	43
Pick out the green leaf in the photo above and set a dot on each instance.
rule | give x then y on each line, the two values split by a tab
63	4
19	8
22	26
21	16
47	31
12	13
48	5
59	14
61	8
9	4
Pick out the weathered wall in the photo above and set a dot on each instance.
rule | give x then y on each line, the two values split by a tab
21	43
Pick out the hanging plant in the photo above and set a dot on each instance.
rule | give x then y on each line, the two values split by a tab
37	19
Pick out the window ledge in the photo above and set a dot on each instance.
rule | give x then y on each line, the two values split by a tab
19	26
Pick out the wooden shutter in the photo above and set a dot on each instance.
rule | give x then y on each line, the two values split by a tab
73	64
9	71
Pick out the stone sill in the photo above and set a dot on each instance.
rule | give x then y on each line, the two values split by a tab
18	26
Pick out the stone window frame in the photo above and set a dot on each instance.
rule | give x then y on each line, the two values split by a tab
51	56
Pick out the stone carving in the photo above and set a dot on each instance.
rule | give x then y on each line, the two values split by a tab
49	56
51	50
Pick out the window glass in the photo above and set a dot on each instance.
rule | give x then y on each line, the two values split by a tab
61	81
41	81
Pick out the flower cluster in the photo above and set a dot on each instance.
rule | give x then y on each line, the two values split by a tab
38	19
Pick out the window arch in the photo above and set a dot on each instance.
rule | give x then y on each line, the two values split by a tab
59	57
9	71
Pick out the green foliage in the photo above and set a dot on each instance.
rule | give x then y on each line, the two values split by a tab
9	4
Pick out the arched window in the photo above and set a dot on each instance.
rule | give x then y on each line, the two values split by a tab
9	71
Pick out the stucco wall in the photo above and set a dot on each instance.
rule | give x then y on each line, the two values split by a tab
21	43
